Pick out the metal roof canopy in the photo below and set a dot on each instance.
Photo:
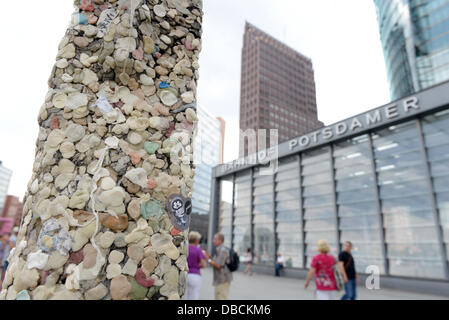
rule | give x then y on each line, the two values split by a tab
400	110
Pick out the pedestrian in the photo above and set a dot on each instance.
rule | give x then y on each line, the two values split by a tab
279	264
2	248
347	267
222	274
247	259
322	267
9	243
195	261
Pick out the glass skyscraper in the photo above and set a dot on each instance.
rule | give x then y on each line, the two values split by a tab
415	42
5	176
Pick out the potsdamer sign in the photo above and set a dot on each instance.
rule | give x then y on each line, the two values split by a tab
400	110
356	123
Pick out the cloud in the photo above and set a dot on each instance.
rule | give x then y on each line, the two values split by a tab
28	55
341	38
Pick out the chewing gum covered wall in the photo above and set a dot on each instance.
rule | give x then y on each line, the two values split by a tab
107	209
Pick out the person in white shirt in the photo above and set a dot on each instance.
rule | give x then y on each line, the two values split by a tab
279	264
248	260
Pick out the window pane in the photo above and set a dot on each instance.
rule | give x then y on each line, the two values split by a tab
287	175
263	200
225	208
264	244
292	194
319	189
288	216
436	137
286	185
354	183
242	238
242	212
410	232
318	200
357	209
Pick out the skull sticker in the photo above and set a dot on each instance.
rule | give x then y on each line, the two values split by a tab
179	210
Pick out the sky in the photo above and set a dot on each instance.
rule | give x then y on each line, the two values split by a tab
340	36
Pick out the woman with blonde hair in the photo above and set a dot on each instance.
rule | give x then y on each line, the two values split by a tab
195	261
322	267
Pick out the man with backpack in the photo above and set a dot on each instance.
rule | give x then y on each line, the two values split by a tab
223	258
347	266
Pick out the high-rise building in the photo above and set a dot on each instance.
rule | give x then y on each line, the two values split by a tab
222	135
415	42
277	88
208	153
5	177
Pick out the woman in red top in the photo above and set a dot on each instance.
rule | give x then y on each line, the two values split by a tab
322	267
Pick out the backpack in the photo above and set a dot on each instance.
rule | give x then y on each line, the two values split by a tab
234	260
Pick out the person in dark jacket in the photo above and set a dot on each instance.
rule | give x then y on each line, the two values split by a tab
347	265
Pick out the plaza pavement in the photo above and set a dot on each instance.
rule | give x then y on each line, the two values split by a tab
266	287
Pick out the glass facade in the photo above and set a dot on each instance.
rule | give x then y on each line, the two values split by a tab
206	156
410	231
358	216
288	221
436	135
415	42
263	221
386	191
318	201
225	209
242	212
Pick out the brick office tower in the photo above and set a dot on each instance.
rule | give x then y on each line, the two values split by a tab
277	88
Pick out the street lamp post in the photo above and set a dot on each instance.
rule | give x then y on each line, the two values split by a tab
107	209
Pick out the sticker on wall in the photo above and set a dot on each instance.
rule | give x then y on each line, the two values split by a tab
105	20
54	237
179	210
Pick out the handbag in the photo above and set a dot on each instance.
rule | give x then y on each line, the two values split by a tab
339	279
